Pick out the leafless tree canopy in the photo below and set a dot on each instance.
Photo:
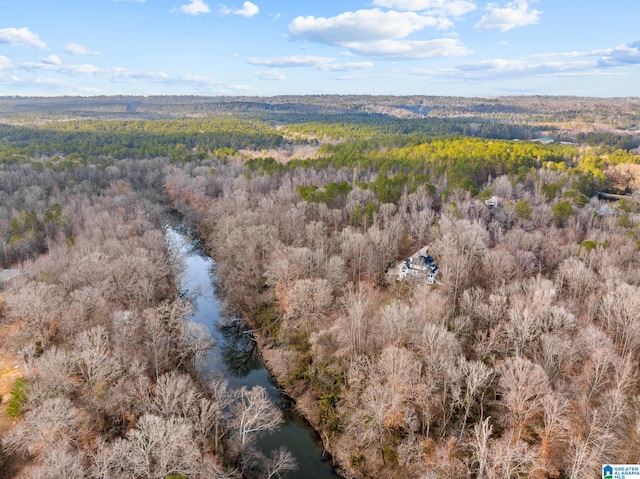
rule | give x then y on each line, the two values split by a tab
520	361
109	387
505	368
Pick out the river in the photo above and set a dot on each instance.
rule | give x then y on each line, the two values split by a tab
236	357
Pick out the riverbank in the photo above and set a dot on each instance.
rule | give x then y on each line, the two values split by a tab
305	401
236	357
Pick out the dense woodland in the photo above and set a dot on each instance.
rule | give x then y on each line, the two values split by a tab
522	361
110	356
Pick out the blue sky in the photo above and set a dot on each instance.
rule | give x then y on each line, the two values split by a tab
277	47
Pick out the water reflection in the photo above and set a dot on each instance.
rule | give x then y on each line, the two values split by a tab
193	244
239	349
236	358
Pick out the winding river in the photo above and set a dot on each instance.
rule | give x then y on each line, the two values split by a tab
236	357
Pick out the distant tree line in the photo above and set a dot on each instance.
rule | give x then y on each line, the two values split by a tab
138	139
615	141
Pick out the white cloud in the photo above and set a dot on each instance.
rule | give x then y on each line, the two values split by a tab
45	65
318	63
195	7
271	75
49	83
52	60
291	61
411	50
518	67
353	77
118	74
575	54
77	49
124	75
248	10
567	63
377	33
360	26
208	82
514	14
5	63
622	55
348	66
21	36
455	8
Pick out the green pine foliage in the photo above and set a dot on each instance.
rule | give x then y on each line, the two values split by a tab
18	397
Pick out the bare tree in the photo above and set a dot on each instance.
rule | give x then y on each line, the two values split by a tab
110	459
459	249
499	267
54	423
369	421
476	378
399	370
196	342
386	244
358	303
156	342
553	432
335	272
356	250
586	455
306	301
253	413
37	304
597	373
556	355
480	444
158	447
168	337
524	325
292	226
523	385
503	187
421	223
174	395
280	462
620	309
59	462
576	279
286	265
511	457
55	371
221	398
430	306
316	235
397	324
440	351
95	362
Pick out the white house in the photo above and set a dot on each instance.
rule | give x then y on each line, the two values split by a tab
419	266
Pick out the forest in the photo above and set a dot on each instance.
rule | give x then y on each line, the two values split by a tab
520	361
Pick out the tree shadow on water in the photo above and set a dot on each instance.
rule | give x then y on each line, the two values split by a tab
239	349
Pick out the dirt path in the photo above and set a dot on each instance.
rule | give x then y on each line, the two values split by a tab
9	372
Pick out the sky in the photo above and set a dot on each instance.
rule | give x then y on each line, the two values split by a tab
281	47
